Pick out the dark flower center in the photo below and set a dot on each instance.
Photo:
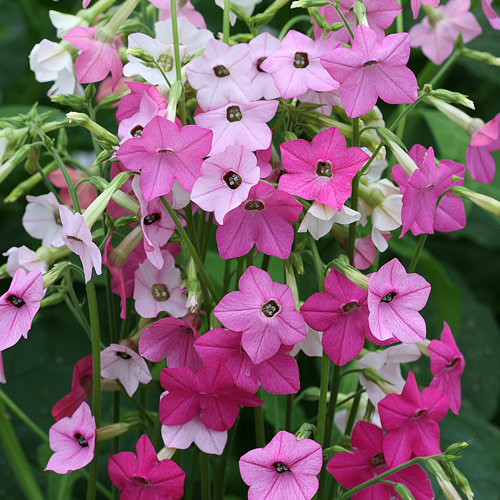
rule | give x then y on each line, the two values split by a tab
141	480
281	467
137	131
160	292
15	300
452	363
419	413
378	460
259	62
57	217
369	63
123	355
254	205
221	71
324	169
233	114
166	62
151	218
81	440
350	306
163	151
388	298
270	309
300	60
232	179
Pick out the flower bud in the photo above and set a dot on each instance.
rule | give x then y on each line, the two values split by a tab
317	17
31	165
456	448
52	299
194	289
106	138
305	430
142	55
458	477
166	453
449	96
398	149
360	11
357	277
53	274
69	100
115	430
121	198
481	200
175	95
311	394
476	55
308	3
403	491
443	480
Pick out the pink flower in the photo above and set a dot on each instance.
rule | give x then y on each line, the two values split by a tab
480	163
296	65
239	123
18	306
263	220
187	10
166	151
277	375
285	468
437	38
23	257
265	313
72	439
321	170
86	191
447	366
394	299
225	181
372	68
426	204
143	475
173	339
490	14
120	362
78	238
411	421
366	460
41	219
210	393
97	58
3	379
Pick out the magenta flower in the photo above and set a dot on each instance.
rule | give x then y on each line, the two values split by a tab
86	191
78	238
210	393
173	339
97	58
366	460
166	151
239	123
411	421
285	468
72	439
277	375
372	68
18	306
321	170
447	366
416	4
425	189
394	299
142	475
480	163
265	313
490	14
225	181
341	313
296	65
264	220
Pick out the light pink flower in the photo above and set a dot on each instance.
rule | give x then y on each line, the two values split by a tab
416	4
490	14
18	306
265	312
143	475
373	68
166	151
285	468
120	362
86	191
72	439
447	366
41	219
296	66
23	257
394	299
3	379
187	10
78	238
225	181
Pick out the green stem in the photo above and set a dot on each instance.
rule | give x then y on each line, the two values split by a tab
220	476
354	195
205	476
354	410
225	22
445	67
177	58
292	22
323	393
418	252
318	263
289	412
206	236
344	20
260	433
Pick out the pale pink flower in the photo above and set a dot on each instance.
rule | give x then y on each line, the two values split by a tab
416	4
320	218
25	258
86	191
490	14
186	10
3	379
41	219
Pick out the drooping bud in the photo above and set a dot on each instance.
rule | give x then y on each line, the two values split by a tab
449	96
398	149
103	136
481	200
341	263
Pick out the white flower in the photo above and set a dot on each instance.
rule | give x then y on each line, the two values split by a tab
64	22
23	257
311	346
246	5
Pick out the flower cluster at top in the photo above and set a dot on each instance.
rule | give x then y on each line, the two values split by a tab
273	143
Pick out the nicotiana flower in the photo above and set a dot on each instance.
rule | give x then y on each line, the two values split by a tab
41	219
265	312
141	475
191	38
416	4
366	460
321	170
225	181
246	5
23	257
311	346
411	421
372	68
86	191
72	439
120	362
78	238
18	306
64	22
166	151
285	468
394	299
263	220
296	65
447	366
186	10
490	14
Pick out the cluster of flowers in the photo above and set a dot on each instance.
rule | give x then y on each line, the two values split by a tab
226	166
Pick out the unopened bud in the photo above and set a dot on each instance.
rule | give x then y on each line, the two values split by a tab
476	55
456	448
360	11
194	289
449	96
308	3
166	453
111	100
403	491
54	273
318	18
481	200
142	55
53	299
443	480
458	478
115	430
463	120
71	101
90	91
102	135
311	394
20	155
398	149
357	277
173	100
31	165
289	136
123	199
305	430
297	262
423	347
